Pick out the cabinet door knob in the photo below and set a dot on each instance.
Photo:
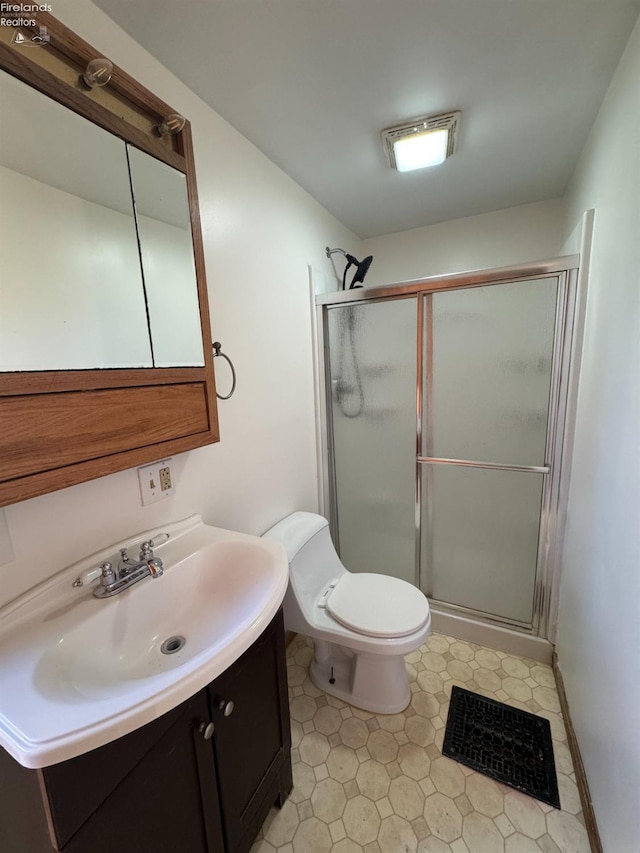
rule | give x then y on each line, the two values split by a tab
207	730
226	706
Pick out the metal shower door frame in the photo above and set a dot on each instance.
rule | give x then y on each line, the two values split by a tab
552	513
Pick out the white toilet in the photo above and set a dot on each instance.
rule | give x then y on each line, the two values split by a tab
362	624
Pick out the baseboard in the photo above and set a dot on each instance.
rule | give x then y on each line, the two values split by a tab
578	766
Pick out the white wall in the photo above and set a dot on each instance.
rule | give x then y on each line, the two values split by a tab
530	232
598	641
261	231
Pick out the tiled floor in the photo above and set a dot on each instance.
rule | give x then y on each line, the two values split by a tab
379	784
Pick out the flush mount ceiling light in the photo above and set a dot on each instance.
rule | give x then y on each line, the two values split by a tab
425	141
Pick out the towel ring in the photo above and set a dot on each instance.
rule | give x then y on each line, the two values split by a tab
217	350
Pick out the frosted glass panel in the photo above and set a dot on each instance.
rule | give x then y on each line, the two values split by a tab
492	354
480	549
373	404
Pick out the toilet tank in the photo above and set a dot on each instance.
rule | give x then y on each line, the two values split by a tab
313	561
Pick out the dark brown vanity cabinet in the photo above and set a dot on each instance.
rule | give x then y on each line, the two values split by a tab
200	779
252	743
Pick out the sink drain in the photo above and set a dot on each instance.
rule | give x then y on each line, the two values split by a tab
173	645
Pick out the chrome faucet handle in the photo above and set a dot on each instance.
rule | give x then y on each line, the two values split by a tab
108	575
146	550
104	571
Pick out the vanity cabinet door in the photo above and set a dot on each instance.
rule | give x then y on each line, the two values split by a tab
78	787
168	802
252	739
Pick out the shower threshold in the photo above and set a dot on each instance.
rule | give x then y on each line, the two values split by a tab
489	634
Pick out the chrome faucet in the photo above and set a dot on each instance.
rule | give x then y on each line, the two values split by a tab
113	581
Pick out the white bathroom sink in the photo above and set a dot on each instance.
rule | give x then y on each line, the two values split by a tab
77	672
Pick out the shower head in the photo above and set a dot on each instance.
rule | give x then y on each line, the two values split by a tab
362	267
362	270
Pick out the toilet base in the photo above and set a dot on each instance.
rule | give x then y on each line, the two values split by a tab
377	683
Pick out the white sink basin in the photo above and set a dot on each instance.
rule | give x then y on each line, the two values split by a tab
77	672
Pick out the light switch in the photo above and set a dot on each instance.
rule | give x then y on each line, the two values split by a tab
156	481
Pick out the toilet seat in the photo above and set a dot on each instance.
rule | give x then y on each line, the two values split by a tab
377	605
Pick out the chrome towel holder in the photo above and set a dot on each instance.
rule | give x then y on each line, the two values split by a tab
217	350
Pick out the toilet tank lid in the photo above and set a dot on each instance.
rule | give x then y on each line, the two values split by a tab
294	531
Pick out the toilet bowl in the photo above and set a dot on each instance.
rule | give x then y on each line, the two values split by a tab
362	624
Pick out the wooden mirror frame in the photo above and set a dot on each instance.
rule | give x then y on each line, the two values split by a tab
62	427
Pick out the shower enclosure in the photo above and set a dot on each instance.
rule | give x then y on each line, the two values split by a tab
445	403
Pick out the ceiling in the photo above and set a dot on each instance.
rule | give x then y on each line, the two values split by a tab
313	82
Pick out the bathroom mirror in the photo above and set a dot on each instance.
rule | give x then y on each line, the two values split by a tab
166	250
106	360
71	288
105	289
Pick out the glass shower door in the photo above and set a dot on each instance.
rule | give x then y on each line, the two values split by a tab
487	380
372	371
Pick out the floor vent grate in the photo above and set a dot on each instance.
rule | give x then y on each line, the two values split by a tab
507	744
